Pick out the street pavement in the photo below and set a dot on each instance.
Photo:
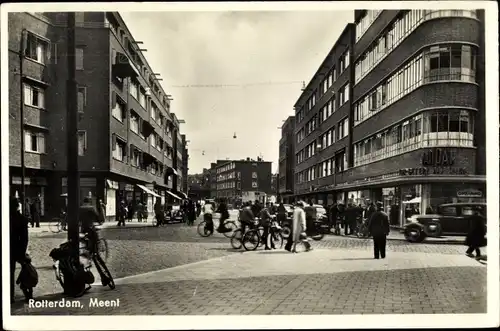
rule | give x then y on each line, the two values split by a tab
172	270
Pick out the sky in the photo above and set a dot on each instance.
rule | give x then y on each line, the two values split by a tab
260	58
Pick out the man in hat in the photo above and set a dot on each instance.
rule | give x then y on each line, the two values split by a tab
378	225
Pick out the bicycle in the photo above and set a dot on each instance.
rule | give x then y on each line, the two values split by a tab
236	238
106	278
58	224
252	239
102	244
204	231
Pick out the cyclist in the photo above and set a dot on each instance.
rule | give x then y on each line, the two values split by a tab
207	216
265	220
246	216
88	215
224	215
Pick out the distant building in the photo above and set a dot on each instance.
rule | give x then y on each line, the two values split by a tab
199	185
234	179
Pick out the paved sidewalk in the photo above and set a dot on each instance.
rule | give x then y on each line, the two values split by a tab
278	282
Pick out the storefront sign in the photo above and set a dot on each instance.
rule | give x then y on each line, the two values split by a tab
432	171
470	193
438	157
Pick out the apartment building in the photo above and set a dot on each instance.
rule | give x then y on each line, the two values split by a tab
286	167
416	126
126	127
236	179
322	121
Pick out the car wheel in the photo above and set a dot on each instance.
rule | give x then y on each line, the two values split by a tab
414	235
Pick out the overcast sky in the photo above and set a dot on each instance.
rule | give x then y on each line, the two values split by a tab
278	49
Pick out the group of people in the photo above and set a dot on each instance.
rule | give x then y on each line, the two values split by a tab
32	210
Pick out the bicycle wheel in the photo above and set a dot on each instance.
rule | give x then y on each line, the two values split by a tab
102	248
232	226
236	239
276	239
55	225
106	278
202	229
251	240
286	232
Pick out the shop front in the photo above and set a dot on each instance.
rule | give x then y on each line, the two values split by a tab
34	187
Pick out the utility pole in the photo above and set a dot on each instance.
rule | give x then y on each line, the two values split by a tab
24	44
73	176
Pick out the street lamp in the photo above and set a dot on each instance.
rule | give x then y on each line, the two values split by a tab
73	176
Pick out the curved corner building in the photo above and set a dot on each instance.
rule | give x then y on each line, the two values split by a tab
417	119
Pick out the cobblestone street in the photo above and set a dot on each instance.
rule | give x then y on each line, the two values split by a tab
172	270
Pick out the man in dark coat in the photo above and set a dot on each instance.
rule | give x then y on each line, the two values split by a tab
378	225
122	213
311	216
333	215
35	212
475	237
350	219
18	241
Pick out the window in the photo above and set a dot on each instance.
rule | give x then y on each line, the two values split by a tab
343	94
397	32
255	185
142	99
134	89
152	139
82	142
450	62
79	58
134	123
344	61
254	175
119	149
238	185
37	49
136	158
343	128
340	162
448	211
34	96
79	17
118	110
82	98
34	141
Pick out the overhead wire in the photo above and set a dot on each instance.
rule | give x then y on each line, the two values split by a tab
268	83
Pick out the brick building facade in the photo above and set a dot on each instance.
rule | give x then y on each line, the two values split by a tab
126	126
416	115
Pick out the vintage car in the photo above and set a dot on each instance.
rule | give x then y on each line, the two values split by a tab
451	219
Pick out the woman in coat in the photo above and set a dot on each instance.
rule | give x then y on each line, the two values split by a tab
299	227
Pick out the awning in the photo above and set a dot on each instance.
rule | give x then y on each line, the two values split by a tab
182	194
414	200
175	196
148	191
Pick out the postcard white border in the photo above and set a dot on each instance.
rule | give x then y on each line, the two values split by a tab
275	322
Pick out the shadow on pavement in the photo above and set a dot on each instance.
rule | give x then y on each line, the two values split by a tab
225	249
430	241
277	251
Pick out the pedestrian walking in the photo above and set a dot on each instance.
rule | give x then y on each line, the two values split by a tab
101	208
122	213
191	212
378	226
130	211
298	229
476	235
35	212
27	211
159	212
311	216
350	219
198	209
18	242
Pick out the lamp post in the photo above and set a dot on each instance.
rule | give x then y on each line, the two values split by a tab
73	176
24	43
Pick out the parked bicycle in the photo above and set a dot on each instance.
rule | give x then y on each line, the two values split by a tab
252	239
102	245
94	253
58	224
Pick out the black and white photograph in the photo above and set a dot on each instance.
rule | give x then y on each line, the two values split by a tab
235	165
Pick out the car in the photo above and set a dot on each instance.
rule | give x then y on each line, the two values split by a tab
289	210
451	219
